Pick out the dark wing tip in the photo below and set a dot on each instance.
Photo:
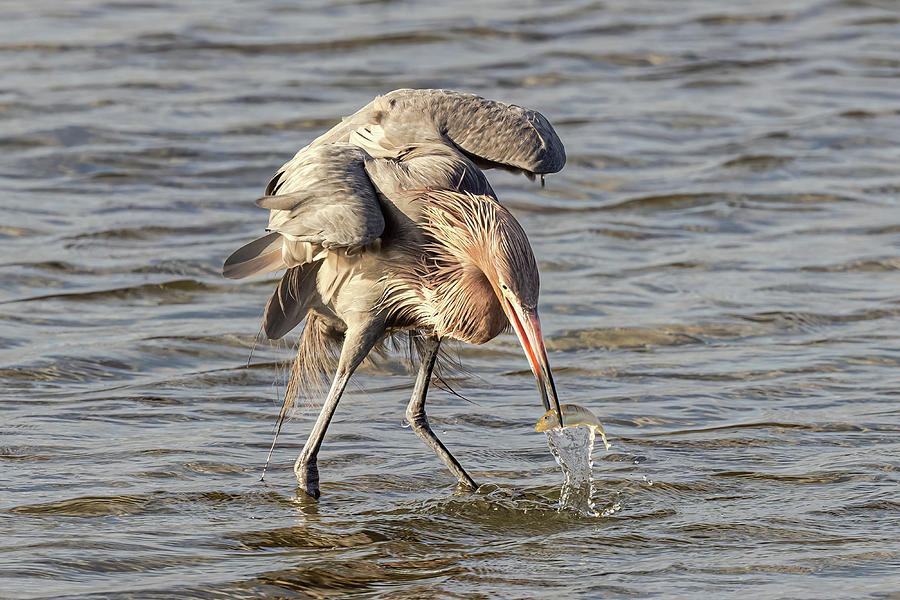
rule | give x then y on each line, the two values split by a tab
496	132
551	156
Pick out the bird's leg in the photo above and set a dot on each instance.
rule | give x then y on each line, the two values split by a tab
415	414
354	350
306	468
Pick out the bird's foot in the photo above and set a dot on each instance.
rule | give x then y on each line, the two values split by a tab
465	482
308	477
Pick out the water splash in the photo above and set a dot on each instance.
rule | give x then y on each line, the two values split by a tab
573	448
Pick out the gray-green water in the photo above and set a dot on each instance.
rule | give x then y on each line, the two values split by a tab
721	285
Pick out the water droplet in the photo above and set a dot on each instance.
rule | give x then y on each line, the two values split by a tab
404	423
572	448
610	510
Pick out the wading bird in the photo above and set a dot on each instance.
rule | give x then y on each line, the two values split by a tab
386	224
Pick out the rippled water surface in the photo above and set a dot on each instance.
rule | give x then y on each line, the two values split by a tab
721	286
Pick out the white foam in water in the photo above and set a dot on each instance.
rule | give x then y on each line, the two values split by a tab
573	447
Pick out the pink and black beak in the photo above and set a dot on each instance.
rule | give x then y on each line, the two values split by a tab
527	325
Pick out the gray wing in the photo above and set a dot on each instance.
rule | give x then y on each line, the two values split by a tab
291	300
427	166
491	133
323	196
496	132
262	255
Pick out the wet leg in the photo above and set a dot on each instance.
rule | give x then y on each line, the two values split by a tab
356	347
415	414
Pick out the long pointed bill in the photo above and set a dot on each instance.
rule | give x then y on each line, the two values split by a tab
527	325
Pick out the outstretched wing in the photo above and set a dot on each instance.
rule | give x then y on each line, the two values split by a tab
491	133
494	132
324	197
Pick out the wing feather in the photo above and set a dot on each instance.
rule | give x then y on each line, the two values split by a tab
425	139
262	255
326	197
292	299
494	134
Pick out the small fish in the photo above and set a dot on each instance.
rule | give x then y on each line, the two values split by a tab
573	415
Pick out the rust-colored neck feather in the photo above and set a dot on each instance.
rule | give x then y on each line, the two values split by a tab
471	244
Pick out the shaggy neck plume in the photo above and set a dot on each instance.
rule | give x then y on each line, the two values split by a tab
456	286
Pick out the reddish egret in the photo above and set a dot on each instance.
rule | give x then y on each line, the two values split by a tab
386	224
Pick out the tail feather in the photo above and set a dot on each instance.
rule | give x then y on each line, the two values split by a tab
262	255
291	300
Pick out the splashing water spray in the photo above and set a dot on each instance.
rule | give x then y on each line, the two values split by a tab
572	445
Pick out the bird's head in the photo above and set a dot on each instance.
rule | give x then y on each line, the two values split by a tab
516	283
478	230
